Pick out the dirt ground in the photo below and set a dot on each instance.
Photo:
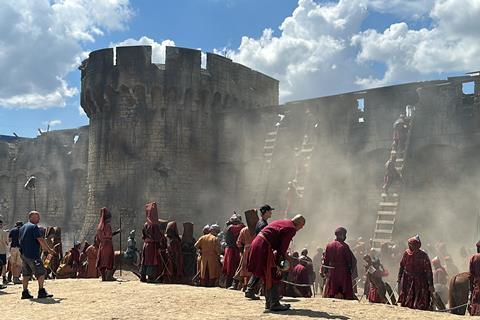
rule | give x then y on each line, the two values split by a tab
130	299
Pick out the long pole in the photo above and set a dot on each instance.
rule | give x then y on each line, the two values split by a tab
34	200
121	253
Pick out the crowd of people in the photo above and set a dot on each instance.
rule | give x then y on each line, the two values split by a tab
256	257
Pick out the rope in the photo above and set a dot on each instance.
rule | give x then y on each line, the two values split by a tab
296	284
454	308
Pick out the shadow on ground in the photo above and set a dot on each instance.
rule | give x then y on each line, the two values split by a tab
48	300
313	314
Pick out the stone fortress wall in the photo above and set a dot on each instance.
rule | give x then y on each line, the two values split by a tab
193	140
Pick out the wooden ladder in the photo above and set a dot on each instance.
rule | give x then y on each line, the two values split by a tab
268	151
388	207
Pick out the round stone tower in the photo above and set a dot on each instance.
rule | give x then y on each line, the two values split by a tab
165	132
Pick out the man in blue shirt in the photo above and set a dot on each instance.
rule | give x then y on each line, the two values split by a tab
15	258
31	239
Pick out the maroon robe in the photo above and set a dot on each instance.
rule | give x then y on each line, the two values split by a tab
302	274
231	258
154	243
175	256
105	256
375	286
339	281
415	277
275	236
474	307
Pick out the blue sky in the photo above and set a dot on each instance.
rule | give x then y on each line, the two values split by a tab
321	48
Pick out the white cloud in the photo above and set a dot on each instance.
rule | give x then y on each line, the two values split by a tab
158	48
312	56
322	49
41	42
450	46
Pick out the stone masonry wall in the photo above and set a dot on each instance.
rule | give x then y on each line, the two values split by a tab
58	160
157	134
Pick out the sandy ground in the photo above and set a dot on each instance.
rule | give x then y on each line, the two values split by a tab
130	299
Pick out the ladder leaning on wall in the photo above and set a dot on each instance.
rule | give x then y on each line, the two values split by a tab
270	143
389	205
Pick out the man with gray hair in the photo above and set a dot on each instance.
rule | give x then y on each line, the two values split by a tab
31	239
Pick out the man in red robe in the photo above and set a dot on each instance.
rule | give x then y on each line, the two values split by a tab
339	263
174	251
375	288
268	257
154	246
415	277
304	275
105	256
474	307
231	258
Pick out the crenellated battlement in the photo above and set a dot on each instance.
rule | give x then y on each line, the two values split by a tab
237	85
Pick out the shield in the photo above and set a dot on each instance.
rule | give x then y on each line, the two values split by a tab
251	217
187	235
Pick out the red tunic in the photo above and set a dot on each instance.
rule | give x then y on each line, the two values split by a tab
275	236
339	282
174	249
103	237
376	286
474	307
415	276
301	274
153	241
231	258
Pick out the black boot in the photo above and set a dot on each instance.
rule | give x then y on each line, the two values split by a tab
267	293
228	282
234	285
26	294
250	292
109	275
42	293
275	304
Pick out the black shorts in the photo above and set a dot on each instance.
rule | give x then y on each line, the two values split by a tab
3	259
30	266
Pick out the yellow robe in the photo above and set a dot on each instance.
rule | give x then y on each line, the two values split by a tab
209	247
